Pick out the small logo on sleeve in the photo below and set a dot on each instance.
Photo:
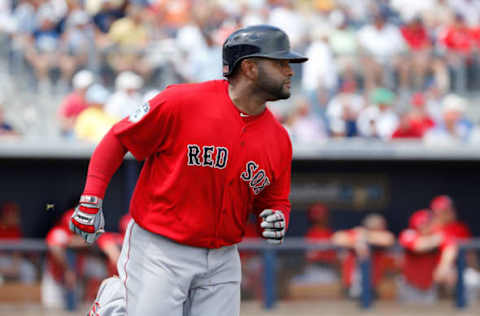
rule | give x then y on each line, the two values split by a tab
139	113
257	179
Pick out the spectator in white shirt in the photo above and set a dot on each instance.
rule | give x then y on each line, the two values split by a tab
382	46
378	120
126	97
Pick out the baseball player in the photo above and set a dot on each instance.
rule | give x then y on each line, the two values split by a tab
213	154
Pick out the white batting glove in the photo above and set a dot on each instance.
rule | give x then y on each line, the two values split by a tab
273	225
87	219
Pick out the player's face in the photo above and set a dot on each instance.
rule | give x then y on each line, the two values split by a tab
274	78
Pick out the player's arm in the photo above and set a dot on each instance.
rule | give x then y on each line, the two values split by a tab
143	133
273	206
381	238
87	220
343	238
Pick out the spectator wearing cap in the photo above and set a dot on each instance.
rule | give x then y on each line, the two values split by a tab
319	231
455	128
14	266
345	107
428	260
382	46
368	240
445	218
93	123
74	103
378	120
415	123
126	98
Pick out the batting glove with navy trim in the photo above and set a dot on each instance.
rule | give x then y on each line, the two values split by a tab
87	219
273	224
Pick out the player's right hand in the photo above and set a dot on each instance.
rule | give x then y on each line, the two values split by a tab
87	219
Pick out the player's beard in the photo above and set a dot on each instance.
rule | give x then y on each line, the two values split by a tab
274	88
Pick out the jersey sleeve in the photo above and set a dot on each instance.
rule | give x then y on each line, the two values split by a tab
408	238
147	130
275	196
58	236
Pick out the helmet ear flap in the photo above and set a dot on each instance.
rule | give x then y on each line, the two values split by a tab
234	53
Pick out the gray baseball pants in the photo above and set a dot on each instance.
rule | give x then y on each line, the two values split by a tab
162	277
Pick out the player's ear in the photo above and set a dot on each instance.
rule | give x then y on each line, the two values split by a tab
250	68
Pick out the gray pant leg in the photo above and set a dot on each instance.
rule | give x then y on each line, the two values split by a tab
110	300
157	272
217	293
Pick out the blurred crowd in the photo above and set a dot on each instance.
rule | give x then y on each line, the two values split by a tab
378	69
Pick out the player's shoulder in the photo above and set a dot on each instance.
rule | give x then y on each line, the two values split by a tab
186	90
185	93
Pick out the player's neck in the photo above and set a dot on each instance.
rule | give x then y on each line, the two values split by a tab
246	100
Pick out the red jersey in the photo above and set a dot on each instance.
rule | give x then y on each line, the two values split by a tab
320	234
379	261
207	165
418	267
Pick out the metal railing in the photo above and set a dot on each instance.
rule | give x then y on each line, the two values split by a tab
270	253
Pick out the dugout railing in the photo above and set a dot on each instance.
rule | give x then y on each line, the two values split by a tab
270	265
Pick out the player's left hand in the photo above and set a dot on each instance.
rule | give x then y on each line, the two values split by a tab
273	224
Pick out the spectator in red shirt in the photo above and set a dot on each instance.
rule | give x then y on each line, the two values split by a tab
419	45
75	102
445	218
409	127
370	239
13	264
111	243
458	40
319	232
428	261
58	276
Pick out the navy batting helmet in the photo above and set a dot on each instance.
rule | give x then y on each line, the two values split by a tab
264	41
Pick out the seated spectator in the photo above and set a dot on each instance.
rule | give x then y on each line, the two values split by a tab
93	123
13	264
344	46
59	275
368	240
304	126
42	50
382	46
416	122
77	46
345	107
378	120
455	127
458	40
428	260
419	45
126	98
74	103
130	38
